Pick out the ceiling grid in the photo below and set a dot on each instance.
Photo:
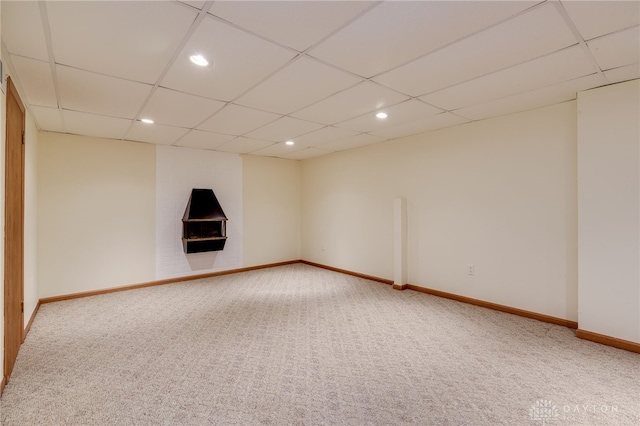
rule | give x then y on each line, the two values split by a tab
311	72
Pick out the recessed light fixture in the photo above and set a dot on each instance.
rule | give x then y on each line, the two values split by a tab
199	60
147	120
289	142
381	115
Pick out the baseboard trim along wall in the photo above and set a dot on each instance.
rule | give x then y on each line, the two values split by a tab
496	307
2	383
583	334
28	327
609	341
344	271
160	282
464	299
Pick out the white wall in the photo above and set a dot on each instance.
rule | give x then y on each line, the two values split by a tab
272	210
499	194
96	213
178	171
609	210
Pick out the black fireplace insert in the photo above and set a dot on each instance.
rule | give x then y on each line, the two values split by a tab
204	224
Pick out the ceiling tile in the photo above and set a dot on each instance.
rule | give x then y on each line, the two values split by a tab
596	18
193	3
179	109
238	61
22	31
48	119
564	65
352	142
537	98
396	32
81	123
297	24
155	133
422	125
237	120
278	150
100	94
36	79
628	72
478	58
323	136
537	32
397	114
243	145
350	103
132	40
203	140
301	83
617	49
307	153
284	129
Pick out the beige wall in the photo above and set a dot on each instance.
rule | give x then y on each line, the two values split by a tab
609	210
499	194
96	211
31	294
347	209
271	209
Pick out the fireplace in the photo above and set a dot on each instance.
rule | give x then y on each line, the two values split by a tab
204	224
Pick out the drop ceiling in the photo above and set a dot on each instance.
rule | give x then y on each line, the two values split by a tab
314	72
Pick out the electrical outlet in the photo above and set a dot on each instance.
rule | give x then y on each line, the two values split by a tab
471	269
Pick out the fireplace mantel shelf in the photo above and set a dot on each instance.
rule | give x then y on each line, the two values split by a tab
204	239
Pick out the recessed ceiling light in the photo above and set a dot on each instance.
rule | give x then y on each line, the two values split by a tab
199	60
381	115
147	120
289	142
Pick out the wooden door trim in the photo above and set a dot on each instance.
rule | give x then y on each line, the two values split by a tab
13	237
11	88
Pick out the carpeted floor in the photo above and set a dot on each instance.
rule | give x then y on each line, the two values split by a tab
298	345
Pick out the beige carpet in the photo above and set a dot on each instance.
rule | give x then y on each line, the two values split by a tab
298	345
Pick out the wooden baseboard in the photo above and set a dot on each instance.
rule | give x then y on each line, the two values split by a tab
583	334
608	340
2	383
28	327
344	271
464	299
160	282
496	307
